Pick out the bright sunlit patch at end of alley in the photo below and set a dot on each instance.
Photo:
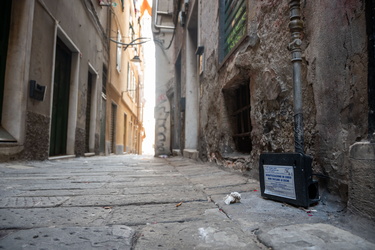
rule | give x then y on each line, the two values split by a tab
149	84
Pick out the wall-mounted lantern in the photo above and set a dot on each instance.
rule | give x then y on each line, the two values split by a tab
137	41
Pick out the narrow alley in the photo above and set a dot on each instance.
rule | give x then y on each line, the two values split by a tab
142	202
259	116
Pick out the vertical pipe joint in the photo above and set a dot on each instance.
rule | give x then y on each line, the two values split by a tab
296	29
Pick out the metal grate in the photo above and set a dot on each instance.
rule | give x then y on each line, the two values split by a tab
243	121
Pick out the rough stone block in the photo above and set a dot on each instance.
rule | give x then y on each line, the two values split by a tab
176	152
191	154
362	176
119	149
103	237
312	236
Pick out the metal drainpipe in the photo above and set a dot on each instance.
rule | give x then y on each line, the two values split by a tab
296	28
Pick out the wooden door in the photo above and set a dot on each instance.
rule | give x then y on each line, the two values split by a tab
5	11
88	112
60	102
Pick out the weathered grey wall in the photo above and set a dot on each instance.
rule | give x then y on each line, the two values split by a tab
82	29
41	70
88	33
361	179
334	84
337	70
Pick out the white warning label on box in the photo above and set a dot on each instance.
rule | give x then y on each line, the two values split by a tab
279	181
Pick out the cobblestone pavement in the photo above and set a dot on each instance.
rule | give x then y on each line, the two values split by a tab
142	202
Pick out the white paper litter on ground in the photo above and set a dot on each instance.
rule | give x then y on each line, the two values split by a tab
232	198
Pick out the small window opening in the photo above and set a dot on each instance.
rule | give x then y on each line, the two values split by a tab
238	104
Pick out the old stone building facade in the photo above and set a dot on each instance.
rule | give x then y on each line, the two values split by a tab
225	87
56	63
124	93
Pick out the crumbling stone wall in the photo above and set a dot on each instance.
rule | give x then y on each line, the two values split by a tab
334	84
37	137
80	144
262	59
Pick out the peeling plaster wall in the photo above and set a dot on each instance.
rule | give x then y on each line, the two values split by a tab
334	84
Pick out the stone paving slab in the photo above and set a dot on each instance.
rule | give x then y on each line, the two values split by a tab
123	175
254	212
23	202
181	188
142	192
159	213
57	216
224	190
120	169
53	185
33	178
6	191
105	190
134	199
222	181
196	171
147	183
147	179
71	238
209	234
313	236
66	192
16	167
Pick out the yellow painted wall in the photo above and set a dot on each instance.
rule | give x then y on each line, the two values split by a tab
117	89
